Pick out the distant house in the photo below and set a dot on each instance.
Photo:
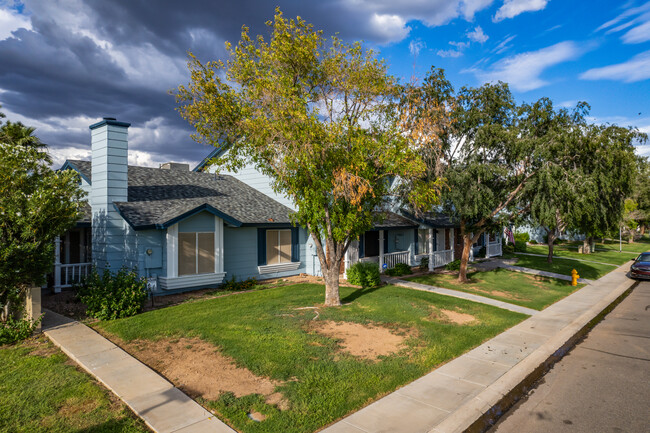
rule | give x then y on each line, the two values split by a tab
181	229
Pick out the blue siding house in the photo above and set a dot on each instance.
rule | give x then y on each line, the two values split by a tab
181	229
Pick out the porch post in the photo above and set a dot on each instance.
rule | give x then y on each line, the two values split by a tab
452	241
346	259
381	251
57	264
431	250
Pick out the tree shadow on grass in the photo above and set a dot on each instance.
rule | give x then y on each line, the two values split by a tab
358	293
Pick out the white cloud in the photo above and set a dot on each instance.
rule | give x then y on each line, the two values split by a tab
470	7
636	19
638	34
477	35
415	46
10	21
635	69
449	53
567	104
459	45
503	45
522	71
512	8
389	27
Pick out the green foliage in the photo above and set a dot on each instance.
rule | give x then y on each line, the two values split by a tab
481	252
113	295
364	274
522	237
534	242
14	330
453	266
520	246
508	249
399	269
276	104
36	205
424	263
235	286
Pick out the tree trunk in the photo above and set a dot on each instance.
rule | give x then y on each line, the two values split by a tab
332	296
551	239
464	259
642	229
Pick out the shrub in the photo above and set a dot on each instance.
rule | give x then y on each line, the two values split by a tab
424	263
399	269
481	252
14	330
453	266
508	249
534	242
364	274
113	296
237	286
522	237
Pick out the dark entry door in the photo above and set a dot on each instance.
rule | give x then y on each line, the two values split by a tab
371	244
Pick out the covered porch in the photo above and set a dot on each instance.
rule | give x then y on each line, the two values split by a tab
72	254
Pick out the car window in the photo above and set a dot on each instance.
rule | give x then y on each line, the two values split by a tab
645	257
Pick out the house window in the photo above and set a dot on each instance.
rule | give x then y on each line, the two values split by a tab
278	246
195	253
423	241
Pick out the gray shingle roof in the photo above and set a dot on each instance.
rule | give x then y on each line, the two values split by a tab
159	198
391	220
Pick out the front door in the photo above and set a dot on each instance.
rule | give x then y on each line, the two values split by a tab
371	244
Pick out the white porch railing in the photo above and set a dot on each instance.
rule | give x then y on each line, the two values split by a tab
71	274
369	259
391	259
441	258
493	250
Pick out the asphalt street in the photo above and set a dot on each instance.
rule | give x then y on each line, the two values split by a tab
602	385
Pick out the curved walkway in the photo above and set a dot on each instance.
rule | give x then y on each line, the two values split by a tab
566	258
461	295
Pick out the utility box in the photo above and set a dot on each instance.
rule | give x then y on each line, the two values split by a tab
152	257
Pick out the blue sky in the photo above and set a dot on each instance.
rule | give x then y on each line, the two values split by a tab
66	63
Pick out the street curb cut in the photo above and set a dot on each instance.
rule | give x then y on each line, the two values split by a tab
480	413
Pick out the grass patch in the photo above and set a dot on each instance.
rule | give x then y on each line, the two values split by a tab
590	271
269	334
41	392
639	246
570	252
530	291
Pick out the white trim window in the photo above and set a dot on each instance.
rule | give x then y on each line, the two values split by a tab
423	241
196	253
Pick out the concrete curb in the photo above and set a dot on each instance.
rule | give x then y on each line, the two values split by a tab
479	414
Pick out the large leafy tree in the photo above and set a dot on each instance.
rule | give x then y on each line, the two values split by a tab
554	195
641	195
607	168
319	117
36	205
488	161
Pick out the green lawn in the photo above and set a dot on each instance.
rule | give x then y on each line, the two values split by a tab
40	391
639	246
591	271
265	332
530	291
571	252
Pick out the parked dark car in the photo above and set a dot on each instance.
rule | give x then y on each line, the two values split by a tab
641	266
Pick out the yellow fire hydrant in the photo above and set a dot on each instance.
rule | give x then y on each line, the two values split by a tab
574	277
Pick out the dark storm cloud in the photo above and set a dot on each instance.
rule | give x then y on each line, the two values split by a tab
120	58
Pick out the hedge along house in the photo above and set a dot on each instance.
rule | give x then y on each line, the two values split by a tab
397	237
181	229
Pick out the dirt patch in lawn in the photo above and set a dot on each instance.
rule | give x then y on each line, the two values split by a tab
457	317
364	341
201	370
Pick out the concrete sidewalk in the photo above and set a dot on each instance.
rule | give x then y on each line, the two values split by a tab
458	294
164	408
466	393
